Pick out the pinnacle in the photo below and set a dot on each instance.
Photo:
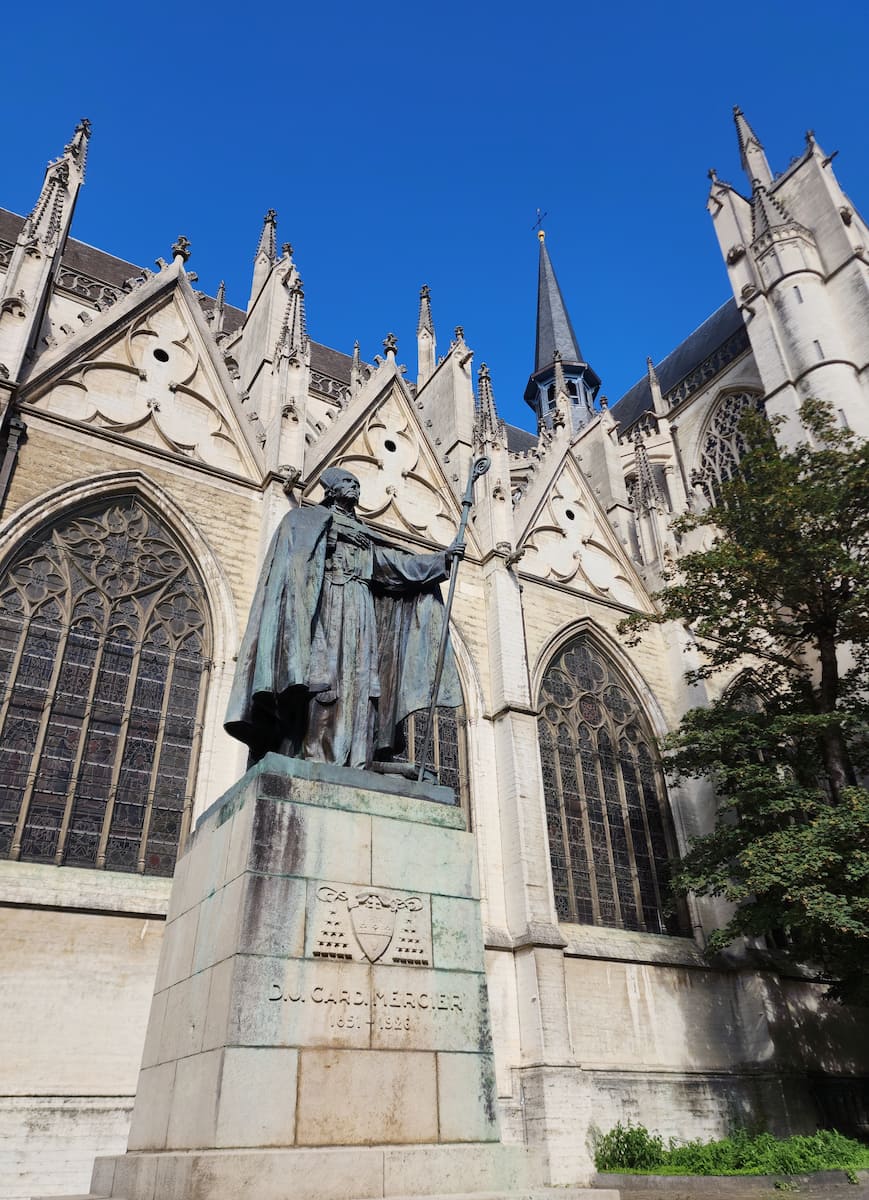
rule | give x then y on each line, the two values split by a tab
751	152
488	420
267	244
646	495
62	177
425	321
767	212
77	147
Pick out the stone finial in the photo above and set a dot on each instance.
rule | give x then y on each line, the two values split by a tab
559	381
218	313
181	248
76	149
390	345
655	389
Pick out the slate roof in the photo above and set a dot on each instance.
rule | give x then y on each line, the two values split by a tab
688	355
88	260
520	440
331	362
78	256
554	328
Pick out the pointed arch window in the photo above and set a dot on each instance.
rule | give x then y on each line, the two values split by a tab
105	647
724	445
610	833
448	755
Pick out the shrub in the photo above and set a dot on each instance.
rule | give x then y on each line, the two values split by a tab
629	1147
633	1148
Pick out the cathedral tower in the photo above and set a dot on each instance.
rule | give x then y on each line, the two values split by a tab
562	379
796	256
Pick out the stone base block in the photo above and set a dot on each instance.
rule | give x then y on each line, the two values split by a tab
322	979
365	1173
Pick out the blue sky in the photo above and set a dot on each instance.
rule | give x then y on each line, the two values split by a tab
406	144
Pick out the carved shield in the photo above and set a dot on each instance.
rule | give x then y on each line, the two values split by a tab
373	918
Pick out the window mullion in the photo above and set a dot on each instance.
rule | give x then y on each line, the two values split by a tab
119	754
39	744
629	834
586	831
562	813
155	765
13	670
195	746
79	753
651	850
606	829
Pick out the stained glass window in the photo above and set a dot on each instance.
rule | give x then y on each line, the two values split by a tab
104	654
724	445
447	757
610	835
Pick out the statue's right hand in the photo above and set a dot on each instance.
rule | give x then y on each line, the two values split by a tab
326	697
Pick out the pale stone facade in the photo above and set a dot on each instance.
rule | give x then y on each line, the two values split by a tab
118	383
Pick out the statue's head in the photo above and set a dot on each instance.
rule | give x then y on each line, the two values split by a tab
339	484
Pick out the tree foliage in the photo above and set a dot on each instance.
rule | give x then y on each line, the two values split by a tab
783	591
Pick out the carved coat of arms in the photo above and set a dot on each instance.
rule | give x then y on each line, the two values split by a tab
381	921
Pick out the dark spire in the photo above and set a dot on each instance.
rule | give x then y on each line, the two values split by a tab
554	330
558	362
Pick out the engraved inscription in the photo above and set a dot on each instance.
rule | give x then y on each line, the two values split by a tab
352	1009
373	924
356	1005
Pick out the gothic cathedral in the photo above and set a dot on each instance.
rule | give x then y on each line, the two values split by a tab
151	439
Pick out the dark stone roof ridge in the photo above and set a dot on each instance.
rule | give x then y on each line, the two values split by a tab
520	441
106	268
680	362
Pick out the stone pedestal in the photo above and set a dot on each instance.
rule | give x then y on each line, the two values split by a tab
321	985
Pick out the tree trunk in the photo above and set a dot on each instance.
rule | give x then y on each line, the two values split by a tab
837	761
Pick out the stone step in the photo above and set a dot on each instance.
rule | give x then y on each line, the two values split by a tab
540	1193
553	1193
822	1185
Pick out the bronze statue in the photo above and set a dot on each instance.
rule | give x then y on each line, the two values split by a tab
342	640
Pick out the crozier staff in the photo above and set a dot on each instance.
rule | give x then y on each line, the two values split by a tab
342	639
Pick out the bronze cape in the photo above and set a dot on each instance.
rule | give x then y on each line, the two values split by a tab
273	686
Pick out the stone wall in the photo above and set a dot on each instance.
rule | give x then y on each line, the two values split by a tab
75	990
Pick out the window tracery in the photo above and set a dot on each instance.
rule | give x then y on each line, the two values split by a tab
610	835
448	754
104	656
724	445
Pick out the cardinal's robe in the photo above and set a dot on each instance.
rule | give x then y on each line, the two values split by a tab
341	643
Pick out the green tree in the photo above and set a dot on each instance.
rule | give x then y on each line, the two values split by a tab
783	590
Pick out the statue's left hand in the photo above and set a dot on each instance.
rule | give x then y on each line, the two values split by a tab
454	550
